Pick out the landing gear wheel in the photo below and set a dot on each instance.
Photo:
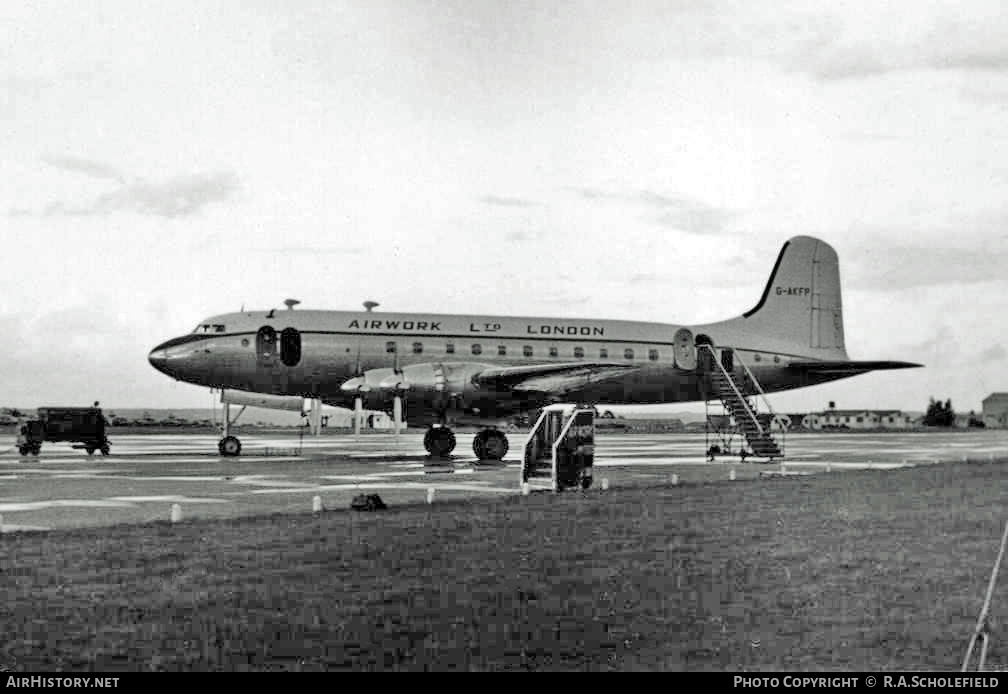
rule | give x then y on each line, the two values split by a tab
490	445
90	450
36	449
439	441
23	450
229	446
105	449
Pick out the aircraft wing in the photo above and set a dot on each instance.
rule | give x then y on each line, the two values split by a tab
849	367
551	378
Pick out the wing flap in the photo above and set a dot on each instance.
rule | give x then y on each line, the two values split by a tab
551	378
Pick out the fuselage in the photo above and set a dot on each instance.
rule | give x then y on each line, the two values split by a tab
313	353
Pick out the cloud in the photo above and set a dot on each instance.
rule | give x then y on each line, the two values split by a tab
993	353
905	267
680	211
960	41
86	166
311	250
177	197
506	201
519	236
943	348
180	196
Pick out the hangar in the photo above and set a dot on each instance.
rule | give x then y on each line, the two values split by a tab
995	410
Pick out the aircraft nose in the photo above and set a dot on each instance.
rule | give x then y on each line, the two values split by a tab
158	358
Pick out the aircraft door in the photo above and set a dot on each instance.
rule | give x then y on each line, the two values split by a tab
685	350
290	347
266	346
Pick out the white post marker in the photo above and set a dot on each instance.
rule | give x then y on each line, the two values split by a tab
526	488
731	474
430	495
358	412
605	483
1	523
316	504
397	414
675	479
829	467
176	513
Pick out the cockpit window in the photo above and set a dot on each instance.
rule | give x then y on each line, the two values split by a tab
210	328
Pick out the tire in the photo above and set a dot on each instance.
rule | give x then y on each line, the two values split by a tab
229	446
23	450
90	450
105	449
490	445
439	441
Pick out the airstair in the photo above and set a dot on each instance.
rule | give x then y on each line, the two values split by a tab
560	449
733	387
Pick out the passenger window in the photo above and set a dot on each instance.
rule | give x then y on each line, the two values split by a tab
603	353
527	351
390	347
553	351
579	352
628	353
417	348
502	351
476	349
218	328
652	354
450	348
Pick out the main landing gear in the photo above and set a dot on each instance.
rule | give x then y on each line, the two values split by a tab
489	444
439	441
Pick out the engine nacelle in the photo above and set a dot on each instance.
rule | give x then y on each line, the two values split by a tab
438	384
268	402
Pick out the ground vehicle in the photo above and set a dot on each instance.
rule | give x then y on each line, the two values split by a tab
84	425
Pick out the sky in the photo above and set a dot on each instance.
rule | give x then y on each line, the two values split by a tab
163	162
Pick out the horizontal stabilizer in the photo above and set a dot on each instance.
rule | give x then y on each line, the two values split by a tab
551	378
849	367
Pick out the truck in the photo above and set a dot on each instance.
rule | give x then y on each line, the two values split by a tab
80	425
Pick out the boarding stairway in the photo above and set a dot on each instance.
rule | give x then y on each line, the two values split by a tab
755	429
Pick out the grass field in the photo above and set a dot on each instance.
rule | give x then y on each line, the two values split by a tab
842	571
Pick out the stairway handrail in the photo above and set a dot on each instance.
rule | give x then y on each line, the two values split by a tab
766	401
731	382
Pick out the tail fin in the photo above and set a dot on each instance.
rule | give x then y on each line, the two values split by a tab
801	302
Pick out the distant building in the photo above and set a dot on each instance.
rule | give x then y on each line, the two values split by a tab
995	410
859	419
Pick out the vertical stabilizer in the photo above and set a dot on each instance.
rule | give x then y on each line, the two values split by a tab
801	302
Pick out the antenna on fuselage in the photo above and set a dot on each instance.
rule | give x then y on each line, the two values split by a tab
291	303
371	305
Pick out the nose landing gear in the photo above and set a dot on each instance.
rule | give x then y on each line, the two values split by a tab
229	446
